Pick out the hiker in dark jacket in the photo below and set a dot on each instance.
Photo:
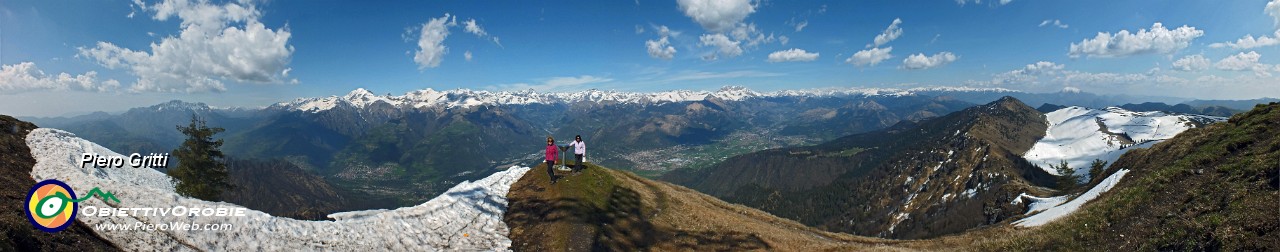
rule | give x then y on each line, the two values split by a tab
579	149
552	153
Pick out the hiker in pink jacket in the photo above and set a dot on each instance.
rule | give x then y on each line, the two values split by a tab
552	153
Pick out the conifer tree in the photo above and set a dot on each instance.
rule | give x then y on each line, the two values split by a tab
201	171
1067	178
1095	170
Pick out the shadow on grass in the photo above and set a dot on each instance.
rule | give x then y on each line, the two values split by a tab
621	225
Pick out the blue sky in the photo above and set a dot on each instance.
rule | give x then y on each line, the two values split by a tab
72	57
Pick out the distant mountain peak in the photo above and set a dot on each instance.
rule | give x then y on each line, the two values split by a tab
359	92
178	105
1010	103
871	105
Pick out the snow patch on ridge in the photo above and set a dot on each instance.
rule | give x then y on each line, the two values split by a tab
1076	134
1058	211
466	217
1039	204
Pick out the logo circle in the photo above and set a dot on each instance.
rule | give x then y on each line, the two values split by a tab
51	205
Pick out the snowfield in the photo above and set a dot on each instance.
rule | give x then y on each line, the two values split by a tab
1077	135
467	217
1080	135
1058	211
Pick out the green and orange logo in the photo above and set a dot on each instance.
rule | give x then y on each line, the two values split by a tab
52	205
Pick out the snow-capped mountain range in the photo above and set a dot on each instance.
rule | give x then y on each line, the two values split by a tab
1080	135
430	98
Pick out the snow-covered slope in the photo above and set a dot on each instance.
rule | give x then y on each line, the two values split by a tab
1058	209
1080	135
467	217
429	98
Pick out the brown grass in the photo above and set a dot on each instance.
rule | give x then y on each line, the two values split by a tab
604	209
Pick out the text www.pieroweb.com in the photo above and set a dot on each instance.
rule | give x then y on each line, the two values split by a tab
173	226
177	211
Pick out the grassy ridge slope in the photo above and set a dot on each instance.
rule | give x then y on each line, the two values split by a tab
605	209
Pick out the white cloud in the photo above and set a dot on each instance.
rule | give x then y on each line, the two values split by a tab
660	48
1248	42
724	22
870	57
1156	40
1041	67
431	48
665	31
800	26
726	47
1239	62
639	29
1089	78
1055	23
26	76
783	40
467	55
717	15
1273	10
919	61
556	83
1029	74
217	42
749	36
431	35
201	15
891	33
793	54
470	26
1245	62
1191	63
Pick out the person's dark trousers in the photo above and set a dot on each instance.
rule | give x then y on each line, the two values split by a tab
578	166
551	172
